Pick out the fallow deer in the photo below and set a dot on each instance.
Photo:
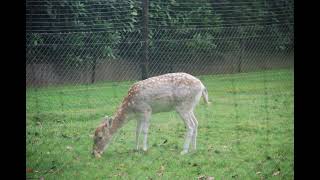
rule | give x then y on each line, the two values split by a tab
174	91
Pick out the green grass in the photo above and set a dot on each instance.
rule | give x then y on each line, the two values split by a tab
246	133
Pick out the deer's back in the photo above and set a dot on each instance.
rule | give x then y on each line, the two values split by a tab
163	93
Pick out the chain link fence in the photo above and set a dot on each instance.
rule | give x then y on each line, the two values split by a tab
77	58
78	70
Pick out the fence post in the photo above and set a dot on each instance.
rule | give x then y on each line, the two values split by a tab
241	50
240	57
144	60
93	70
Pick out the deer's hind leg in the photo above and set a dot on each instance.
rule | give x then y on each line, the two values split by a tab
187	118
195	133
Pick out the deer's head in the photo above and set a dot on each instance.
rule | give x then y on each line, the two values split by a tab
102	137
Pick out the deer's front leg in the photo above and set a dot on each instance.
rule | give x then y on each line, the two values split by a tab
138	132
145	128
145	134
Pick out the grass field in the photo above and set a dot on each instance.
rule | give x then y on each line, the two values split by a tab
246	133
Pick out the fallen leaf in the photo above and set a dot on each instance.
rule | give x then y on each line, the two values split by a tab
77	158
203	177
39	123
234	176
120	174
65	136
160	171
29	170
258	172
276	173
69	148
120	166
165	141
268	158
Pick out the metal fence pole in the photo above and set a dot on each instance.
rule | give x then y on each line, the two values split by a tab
144	60
240	50
93	70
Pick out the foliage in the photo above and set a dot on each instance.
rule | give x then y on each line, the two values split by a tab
112	29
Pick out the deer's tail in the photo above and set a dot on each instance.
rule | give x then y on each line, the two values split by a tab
205	95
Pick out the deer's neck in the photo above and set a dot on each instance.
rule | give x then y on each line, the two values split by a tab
124	110
120	118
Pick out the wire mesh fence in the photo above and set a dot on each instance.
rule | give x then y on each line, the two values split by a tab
82	56
77	58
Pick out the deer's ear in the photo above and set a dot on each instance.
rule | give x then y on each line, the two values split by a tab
109	122
100	134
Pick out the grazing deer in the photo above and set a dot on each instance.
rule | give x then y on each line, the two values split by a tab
174	91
